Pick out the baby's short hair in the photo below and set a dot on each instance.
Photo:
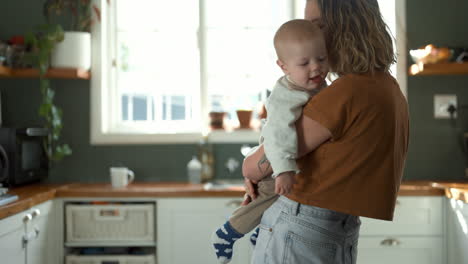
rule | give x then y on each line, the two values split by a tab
296	30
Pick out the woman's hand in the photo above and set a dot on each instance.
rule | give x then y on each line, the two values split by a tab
251	191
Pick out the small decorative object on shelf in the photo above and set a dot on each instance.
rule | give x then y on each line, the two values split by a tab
431	54
12	52
432	60
244	116
217	120
3	52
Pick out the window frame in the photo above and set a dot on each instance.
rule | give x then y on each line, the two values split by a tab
100	108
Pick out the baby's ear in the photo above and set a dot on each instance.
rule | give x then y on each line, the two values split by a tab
283	66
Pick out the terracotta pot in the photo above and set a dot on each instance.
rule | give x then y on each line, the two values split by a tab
217	120
262	113
244	116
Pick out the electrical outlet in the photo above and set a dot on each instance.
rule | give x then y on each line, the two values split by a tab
442	103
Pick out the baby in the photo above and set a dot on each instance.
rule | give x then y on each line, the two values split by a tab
302	56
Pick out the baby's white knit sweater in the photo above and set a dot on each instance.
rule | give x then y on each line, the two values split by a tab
279	137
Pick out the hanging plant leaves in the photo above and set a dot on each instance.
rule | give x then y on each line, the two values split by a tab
42	43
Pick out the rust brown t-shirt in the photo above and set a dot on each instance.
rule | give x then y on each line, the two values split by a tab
359	170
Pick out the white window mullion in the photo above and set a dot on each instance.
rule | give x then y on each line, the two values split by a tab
115	102
400	24
168	107
149	113
130	108
204	108
157	109
188	107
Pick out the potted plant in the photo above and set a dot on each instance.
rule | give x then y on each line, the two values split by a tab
41	44
245	117
75	50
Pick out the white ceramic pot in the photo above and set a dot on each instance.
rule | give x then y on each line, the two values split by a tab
73	52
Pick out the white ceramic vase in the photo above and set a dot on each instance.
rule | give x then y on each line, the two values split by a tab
73	52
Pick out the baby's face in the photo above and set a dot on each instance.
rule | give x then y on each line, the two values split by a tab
306	63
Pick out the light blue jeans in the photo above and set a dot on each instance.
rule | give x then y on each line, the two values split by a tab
293	233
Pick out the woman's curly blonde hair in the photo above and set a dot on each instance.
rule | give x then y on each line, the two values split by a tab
358	39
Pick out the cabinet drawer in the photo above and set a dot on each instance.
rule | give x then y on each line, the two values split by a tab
402	250
114	259
413	216
110	223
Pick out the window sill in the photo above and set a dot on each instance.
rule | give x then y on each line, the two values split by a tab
217	136
235	136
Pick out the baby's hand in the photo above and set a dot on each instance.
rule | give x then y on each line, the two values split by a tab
284	183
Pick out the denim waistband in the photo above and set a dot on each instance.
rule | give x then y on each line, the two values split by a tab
349	224
295	208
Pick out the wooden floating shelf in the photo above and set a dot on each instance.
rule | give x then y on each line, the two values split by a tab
53	73
439	69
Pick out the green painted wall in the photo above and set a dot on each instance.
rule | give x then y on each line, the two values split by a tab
434	151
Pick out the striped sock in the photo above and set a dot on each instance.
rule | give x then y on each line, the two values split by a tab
223	241
253	237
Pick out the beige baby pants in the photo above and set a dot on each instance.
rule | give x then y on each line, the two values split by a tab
247	217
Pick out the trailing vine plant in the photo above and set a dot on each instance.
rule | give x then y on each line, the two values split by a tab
42	43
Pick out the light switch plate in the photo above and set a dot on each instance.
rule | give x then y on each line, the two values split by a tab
442	103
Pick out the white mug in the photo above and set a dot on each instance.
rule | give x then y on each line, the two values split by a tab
121	176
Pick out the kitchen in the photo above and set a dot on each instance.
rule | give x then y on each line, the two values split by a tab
435	153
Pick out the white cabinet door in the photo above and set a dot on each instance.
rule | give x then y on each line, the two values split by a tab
401	250
416	236
185	226
40	232
414	215
12	249
457	232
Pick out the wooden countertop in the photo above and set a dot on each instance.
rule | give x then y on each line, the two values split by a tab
146	189
32	195
29	196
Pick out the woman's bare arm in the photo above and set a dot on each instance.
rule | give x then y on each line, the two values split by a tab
310	135
256	166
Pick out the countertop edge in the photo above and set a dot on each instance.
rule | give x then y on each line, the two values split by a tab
31	195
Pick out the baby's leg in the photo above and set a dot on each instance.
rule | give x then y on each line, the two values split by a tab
253	237
223	241
243	220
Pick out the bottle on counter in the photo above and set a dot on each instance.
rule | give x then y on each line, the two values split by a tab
207	160
194	170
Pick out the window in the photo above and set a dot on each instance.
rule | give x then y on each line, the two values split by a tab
159	67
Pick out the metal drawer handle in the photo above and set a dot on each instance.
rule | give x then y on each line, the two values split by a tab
37	232
109	214
233	203
390	242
